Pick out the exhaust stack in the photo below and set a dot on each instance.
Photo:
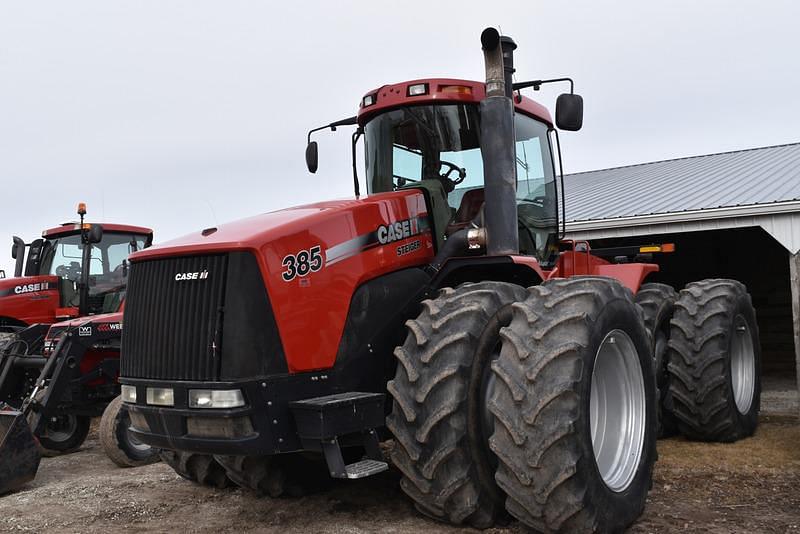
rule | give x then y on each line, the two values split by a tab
497	146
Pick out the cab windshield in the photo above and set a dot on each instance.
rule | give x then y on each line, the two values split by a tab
406	146
62	257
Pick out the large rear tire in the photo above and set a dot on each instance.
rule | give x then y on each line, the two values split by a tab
200	468
575	408
715	362
658	303
438	411
117	441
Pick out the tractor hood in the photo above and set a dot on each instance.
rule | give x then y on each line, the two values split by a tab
27	285
342	219
28	299
310	259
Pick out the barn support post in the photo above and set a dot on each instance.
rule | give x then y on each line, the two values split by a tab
794	281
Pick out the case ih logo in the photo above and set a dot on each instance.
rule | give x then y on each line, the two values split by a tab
32	288
398	230
200	275
109	327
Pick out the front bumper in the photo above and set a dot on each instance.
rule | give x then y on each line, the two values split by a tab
263	426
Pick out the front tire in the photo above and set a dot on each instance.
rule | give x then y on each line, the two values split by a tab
117	441
437	415
575	408
715	362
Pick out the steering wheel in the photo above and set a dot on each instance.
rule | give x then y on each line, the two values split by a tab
71	272
462	172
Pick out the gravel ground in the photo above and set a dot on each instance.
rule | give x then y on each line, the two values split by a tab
750	486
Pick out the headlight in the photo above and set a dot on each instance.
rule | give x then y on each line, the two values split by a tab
160	396
129	394
215	398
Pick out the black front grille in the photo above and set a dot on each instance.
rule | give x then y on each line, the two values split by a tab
173	327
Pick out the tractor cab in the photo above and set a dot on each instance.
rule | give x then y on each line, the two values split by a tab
74	269
425	134
62	255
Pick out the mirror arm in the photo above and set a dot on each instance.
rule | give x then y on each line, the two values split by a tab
349	121
354	139
537	84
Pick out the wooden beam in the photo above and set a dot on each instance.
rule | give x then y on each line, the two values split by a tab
794	281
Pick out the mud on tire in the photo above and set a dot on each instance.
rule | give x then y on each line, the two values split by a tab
118	443
715	362
436	420
200	468
544	425
658	304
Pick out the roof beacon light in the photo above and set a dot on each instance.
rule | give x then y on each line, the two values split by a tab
418	89
81	208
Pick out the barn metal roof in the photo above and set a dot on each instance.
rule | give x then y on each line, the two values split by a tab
756	176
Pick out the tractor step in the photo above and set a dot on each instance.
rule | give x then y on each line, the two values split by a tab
352	417
365	468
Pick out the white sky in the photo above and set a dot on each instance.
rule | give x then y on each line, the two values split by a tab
183	115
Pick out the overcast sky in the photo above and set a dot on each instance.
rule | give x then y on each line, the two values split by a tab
183	115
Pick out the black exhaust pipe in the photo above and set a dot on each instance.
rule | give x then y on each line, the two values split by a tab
497	146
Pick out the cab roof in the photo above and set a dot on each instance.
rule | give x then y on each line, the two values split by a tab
439	91
73	227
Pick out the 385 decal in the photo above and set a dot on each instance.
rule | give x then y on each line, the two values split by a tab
302	263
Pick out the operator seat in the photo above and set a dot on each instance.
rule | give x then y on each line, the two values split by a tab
470	207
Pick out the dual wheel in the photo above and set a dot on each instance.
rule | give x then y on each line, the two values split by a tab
707	357
539	402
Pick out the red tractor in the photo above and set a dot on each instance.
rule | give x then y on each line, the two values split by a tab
54	377
519	366
63	279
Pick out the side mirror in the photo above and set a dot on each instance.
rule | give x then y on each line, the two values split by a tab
569	112
95	233
312	157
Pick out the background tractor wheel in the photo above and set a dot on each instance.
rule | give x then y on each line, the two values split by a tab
658	303
715	362
200	468
119	444
575	408
438	415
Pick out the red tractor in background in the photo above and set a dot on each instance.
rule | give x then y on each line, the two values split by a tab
63	279
519	366
56	376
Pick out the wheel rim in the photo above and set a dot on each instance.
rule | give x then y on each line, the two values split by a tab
617	415
132	440
743	366
61	427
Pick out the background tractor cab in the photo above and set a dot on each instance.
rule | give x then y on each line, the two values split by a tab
75	269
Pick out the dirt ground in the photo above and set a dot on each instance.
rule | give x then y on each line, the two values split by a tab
750	486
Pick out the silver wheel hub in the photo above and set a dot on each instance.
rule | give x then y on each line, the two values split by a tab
617	410
743	365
